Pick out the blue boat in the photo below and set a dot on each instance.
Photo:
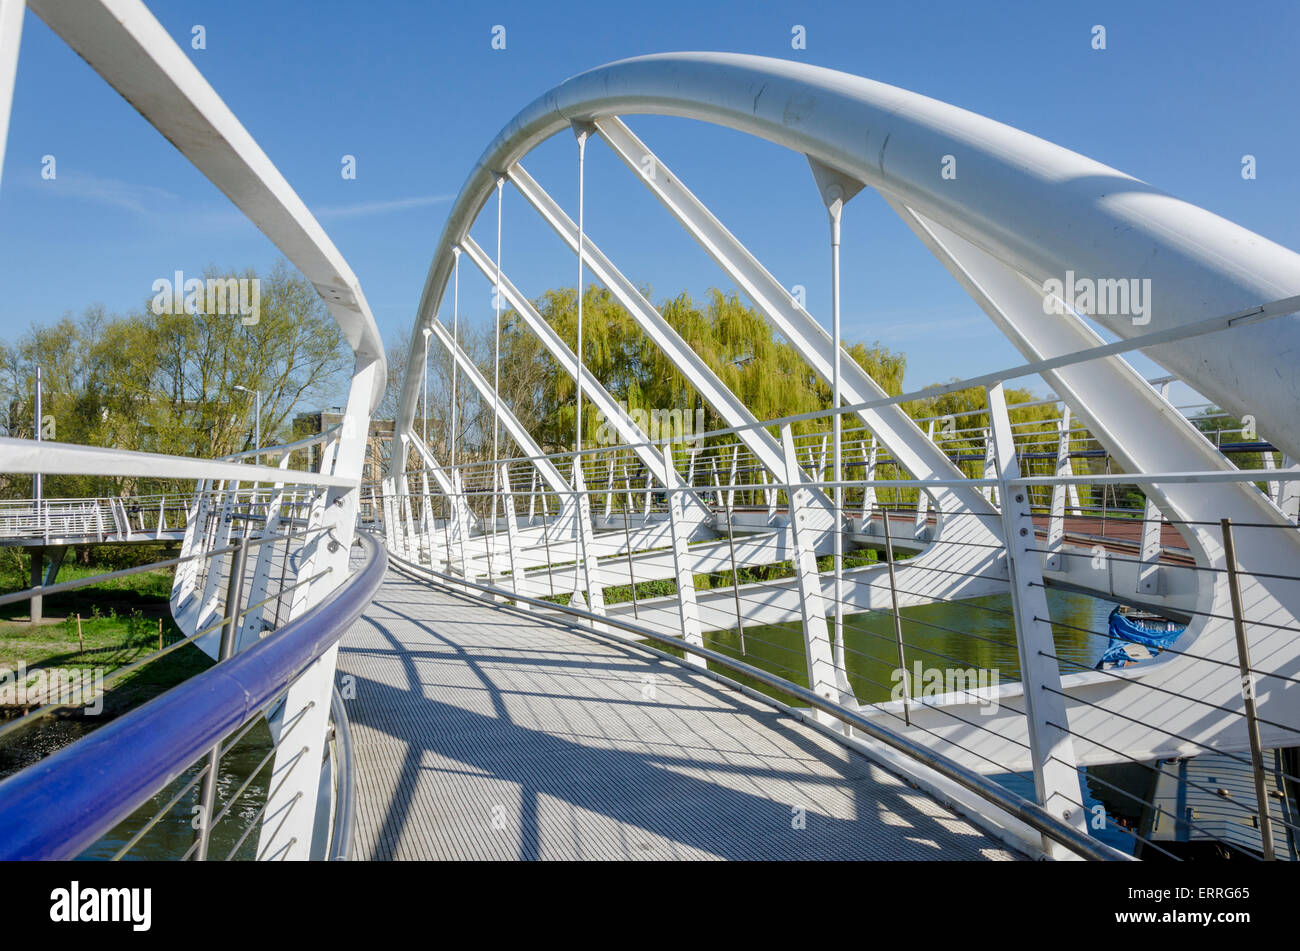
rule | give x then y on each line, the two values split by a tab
1148	631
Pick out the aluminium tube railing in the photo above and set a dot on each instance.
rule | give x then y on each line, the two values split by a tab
60	806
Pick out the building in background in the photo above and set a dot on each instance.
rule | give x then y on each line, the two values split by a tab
378	442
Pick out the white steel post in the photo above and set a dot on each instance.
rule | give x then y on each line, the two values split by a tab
1149	574
11	31
1056	522
461	508
586	544
731	477
253	626
990	467
1056	780
922	498
687	607
869	476
518	583
426	513
1289	500
823	676
289	829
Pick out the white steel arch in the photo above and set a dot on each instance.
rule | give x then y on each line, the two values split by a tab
1012	195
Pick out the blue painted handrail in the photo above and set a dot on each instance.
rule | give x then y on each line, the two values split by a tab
58	807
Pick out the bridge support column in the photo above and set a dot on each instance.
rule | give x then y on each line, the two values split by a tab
410	541
38	578
290	826
1056	779
426	519
254	624
210	643
461	508
386	490
1056	522
1289	494
517	581
869	491
1149	574
585	544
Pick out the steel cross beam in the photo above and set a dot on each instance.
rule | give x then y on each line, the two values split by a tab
891	425
714	392
1124	413
517	432
1141	430
431	464
694	510
11	29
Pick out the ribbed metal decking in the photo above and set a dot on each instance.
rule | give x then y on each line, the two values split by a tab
483	734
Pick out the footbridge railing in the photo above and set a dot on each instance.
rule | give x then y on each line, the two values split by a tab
264	581
854	551
162	767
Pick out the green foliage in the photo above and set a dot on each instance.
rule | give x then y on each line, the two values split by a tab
1228	432
165	382
733	339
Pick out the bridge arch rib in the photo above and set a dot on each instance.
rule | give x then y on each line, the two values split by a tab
1037	207
1021	214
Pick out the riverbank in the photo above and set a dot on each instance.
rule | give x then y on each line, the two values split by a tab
86	635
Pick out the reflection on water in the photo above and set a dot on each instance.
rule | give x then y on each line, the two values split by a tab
977	633
173	834
37	741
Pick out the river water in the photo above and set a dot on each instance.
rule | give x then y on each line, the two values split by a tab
977	633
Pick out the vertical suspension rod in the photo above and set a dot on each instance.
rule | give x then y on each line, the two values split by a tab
836	209
455	336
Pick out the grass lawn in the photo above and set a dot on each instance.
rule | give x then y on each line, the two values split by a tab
121	621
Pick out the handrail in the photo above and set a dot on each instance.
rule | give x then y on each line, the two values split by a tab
1028	812
58	807
27	456
288	447
1269	310
340	845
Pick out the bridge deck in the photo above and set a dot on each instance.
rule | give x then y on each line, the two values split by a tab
481	734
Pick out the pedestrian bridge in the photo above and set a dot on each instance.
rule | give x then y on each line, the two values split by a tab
482	732
658	649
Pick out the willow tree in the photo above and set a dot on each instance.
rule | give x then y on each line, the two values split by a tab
733	339
961	421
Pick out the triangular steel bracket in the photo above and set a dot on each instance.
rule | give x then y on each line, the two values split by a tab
833	184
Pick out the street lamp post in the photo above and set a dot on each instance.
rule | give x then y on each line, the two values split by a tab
257	420
38	553
425	411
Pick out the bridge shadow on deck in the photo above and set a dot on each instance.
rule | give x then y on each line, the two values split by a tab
484	734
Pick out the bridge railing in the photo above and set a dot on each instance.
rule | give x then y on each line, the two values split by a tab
972	617
259	552
261	581
131	518
155	782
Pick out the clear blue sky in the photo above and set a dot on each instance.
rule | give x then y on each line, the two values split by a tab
414	90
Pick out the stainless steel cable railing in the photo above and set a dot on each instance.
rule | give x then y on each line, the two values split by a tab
507	531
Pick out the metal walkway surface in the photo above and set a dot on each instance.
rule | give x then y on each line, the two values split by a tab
482	733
